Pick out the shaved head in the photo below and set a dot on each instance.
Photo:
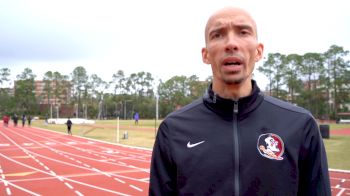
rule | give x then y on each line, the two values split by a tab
229	12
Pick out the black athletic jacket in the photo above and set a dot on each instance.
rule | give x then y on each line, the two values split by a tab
257	145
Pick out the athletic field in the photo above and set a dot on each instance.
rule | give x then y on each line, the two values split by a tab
37	161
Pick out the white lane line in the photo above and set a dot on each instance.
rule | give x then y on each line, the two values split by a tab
67	179
338	185
53	173
69	186
343	180
119	180
340	192
21	188
78	193
46	168
136	188
8	191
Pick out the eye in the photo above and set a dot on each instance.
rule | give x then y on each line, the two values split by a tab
245	32
216	35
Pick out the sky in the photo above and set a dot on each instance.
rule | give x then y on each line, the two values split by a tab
162	37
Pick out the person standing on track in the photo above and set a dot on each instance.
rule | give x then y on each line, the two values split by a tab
5	120
69	126
23	120
235	140
136	118
29	119
15	120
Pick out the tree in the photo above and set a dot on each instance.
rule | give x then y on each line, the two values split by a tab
4	74
294	84
24	92
337	68
80	82
273	68
118	79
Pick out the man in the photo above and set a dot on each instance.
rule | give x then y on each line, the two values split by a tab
136	118
215	145
69	126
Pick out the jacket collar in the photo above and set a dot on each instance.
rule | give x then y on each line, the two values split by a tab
224	107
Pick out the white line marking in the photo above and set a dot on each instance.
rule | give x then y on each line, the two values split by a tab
23	189
119	180
135	187
340	192
46	168
69	186
8	191
338	185
78	193
343	180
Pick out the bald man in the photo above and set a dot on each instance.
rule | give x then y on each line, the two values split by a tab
217	144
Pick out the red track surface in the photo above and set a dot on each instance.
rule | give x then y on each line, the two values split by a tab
37	162
40	162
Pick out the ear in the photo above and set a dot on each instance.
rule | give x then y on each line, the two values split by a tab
259	52
205	56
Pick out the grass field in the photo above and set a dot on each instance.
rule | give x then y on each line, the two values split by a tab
143	135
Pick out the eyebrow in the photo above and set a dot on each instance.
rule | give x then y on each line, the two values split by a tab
220	26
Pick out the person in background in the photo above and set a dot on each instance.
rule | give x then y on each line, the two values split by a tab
235	140
29	119
136	118
69	126
23	120
5	120
15	120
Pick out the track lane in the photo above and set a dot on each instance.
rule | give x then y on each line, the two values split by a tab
112	174
80	166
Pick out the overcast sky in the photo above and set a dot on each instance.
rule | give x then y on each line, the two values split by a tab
157	36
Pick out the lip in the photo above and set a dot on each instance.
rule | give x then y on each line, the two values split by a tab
232	59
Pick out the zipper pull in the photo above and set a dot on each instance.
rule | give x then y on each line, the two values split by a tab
235	107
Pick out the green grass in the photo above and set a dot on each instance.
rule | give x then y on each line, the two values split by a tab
338	151
143	135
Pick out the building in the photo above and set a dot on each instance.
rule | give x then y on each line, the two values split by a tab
52	92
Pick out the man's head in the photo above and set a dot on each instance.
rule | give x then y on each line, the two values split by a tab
232	47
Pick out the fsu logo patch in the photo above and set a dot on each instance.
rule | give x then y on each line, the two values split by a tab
271	146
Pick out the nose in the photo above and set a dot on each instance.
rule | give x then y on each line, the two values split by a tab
231	42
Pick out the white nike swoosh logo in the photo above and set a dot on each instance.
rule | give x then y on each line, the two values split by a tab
189	145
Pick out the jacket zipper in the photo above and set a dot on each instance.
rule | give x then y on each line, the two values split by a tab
236	148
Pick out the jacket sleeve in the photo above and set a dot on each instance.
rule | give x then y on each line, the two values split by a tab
314	176
163	170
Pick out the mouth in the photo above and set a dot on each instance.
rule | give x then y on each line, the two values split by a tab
232	61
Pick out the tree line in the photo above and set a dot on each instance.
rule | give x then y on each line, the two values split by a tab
319	82
92	97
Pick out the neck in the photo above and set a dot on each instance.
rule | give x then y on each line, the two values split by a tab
233	91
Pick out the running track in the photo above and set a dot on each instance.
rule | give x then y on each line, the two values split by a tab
34	161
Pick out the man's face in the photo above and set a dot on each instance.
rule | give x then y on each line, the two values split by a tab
232	47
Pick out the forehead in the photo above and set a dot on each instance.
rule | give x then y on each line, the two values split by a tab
232	16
